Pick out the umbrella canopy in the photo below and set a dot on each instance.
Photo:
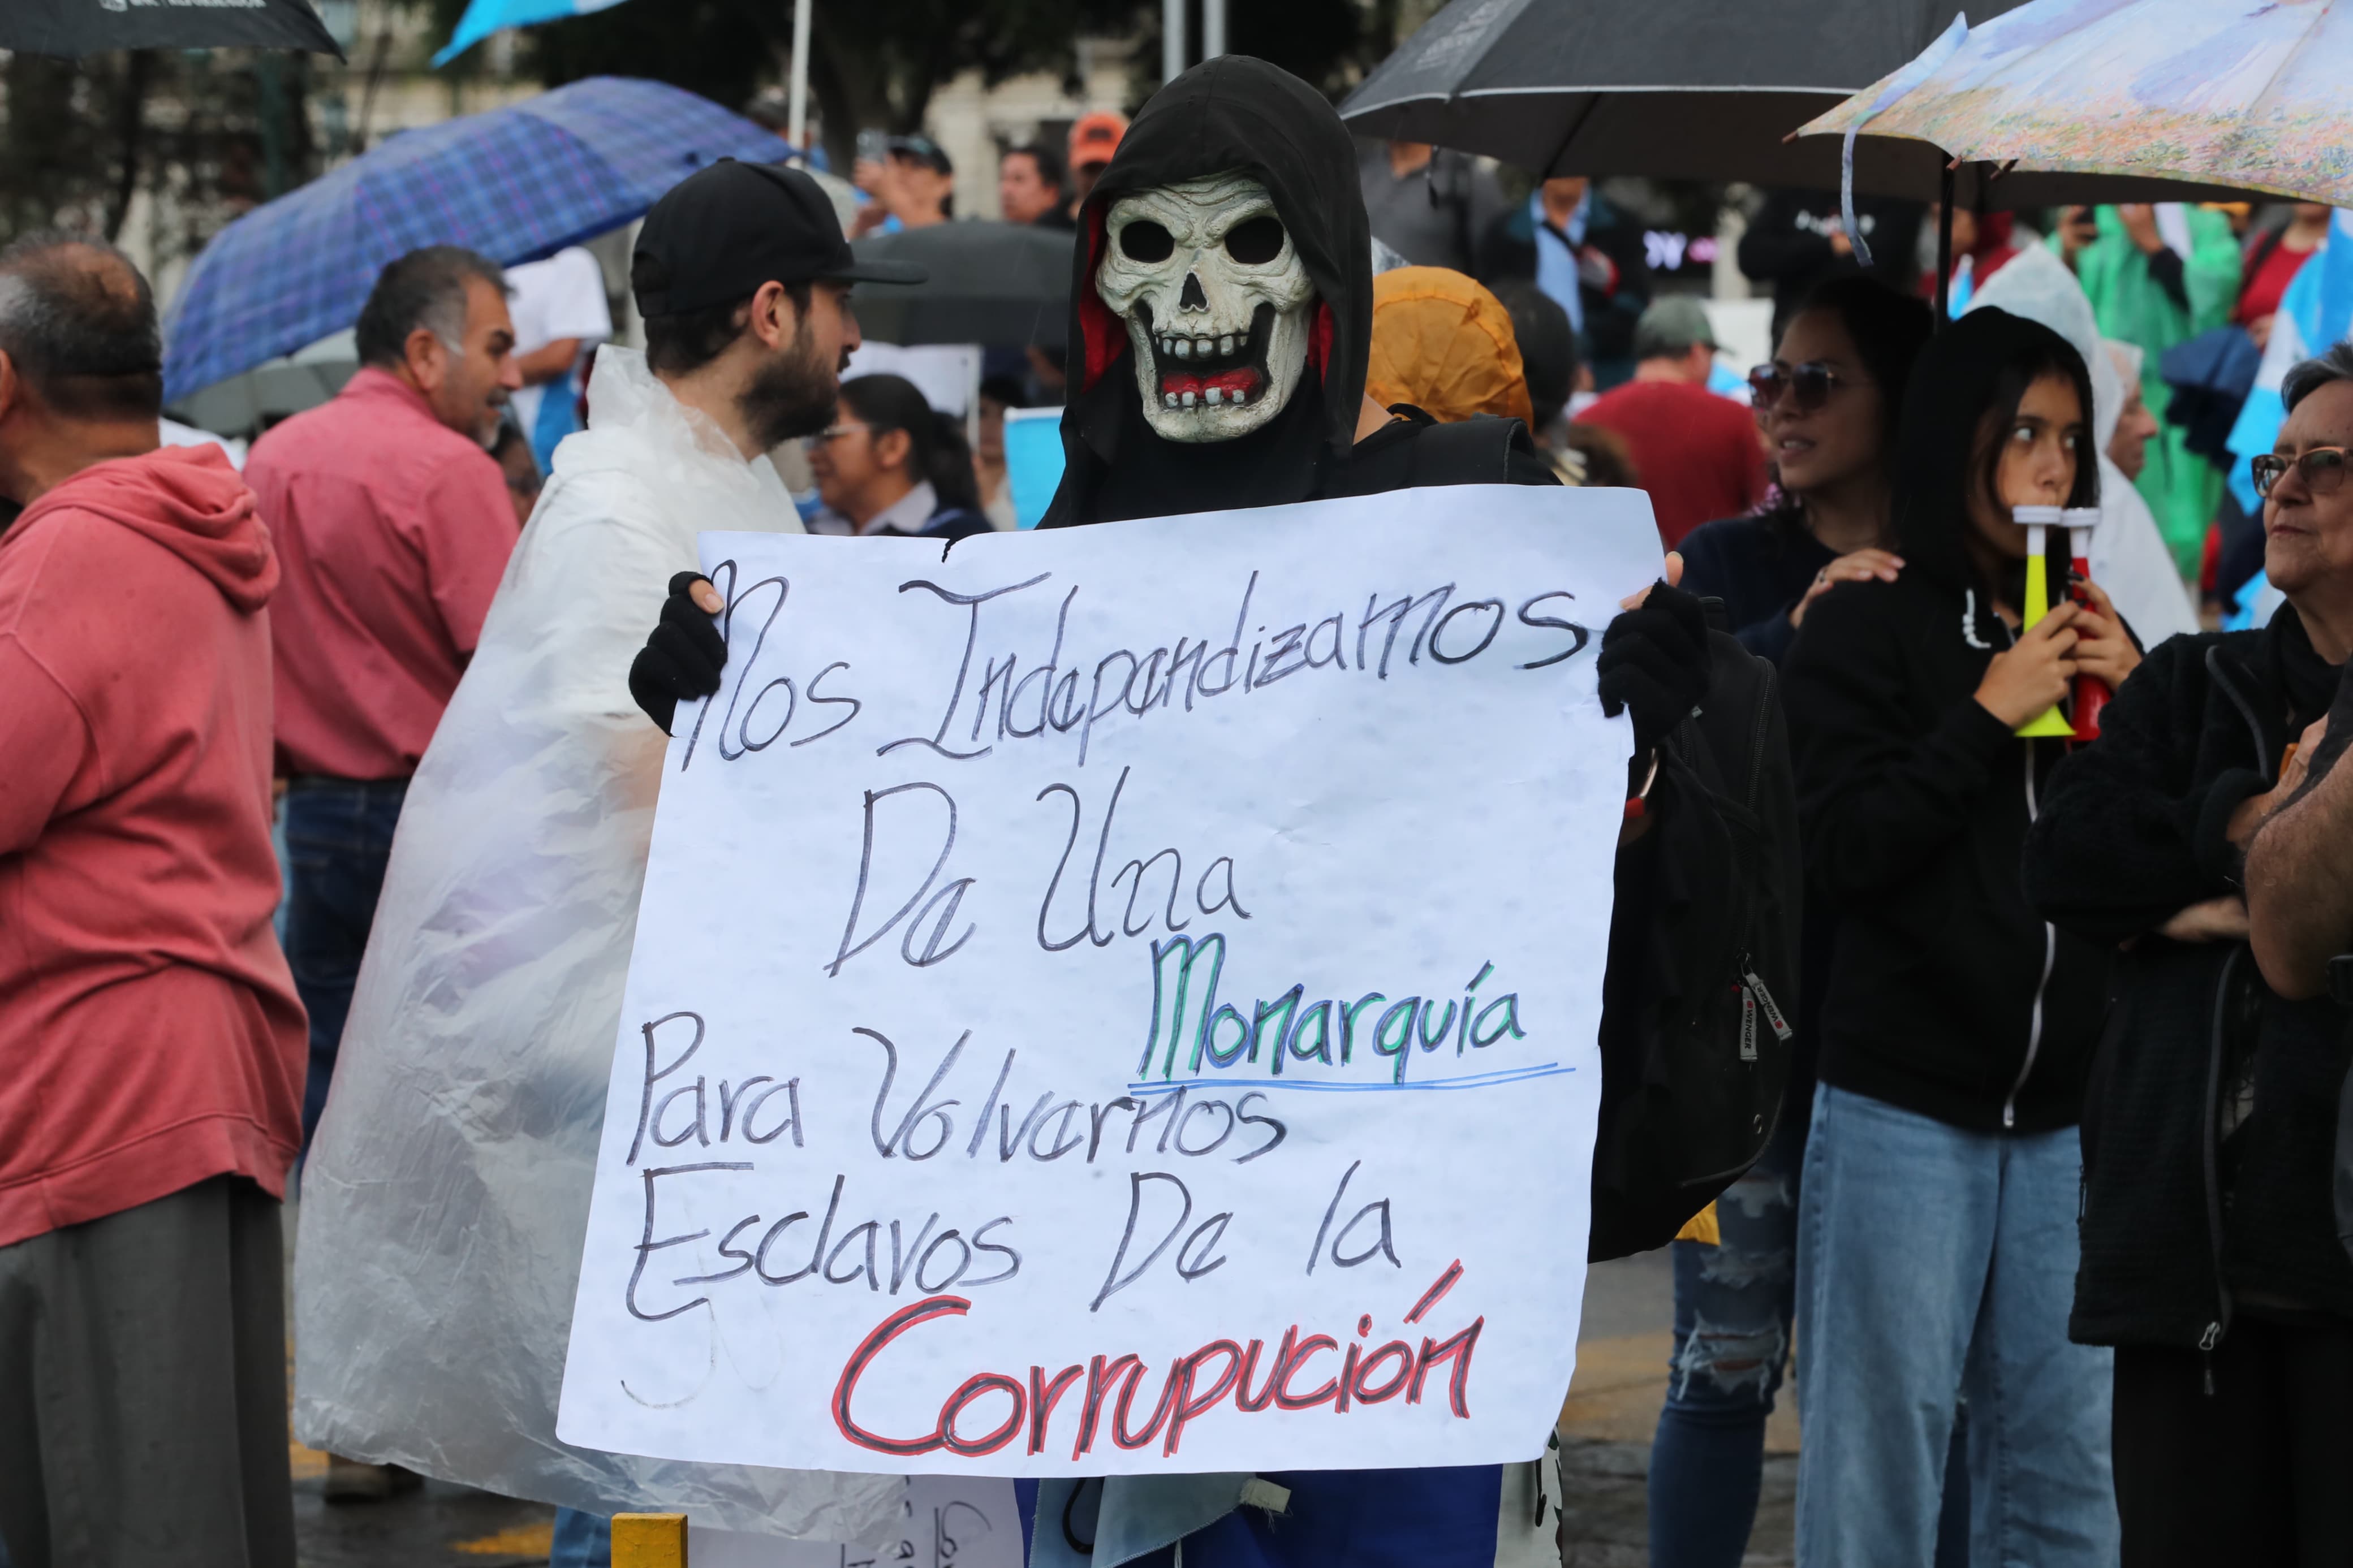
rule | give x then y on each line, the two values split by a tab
994	283
514	184
1679	89
484	17
74	27
247	404
2247	94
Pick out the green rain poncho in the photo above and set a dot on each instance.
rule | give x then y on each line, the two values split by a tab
2182	489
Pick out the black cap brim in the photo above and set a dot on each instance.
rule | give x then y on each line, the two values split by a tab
864	270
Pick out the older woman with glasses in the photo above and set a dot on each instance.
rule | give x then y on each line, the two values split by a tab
2210	1257
1827	409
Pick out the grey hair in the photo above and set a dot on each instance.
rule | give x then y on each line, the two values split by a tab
77	323
427	289
2309	376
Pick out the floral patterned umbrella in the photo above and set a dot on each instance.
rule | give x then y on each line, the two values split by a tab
2251	94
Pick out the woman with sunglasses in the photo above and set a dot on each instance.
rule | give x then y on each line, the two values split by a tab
2211	1257
890	464
1827	408
1936	1246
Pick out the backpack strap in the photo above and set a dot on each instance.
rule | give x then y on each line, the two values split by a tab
1478	451
1415	450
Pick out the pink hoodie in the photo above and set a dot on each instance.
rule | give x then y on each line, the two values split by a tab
150	1037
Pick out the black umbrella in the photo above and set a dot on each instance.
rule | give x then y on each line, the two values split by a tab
1703	90
991	283
1673	88
92	26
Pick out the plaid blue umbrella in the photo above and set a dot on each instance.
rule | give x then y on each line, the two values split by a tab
515	183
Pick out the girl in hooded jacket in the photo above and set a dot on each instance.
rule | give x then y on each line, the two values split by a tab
1936	1246
1829	406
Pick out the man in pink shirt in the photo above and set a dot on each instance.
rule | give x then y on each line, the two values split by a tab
151	1045
1695	451
393	528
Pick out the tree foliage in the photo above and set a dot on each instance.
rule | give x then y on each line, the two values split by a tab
203	135
875	63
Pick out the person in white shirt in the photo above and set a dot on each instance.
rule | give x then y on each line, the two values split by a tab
560	316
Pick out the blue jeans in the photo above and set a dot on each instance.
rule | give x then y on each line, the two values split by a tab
1934	1263
1732	1306
581	1541
338	838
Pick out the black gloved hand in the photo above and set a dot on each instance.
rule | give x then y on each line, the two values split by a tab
684	657
1654	663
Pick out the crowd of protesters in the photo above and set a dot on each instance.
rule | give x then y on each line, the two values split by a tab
2049	1205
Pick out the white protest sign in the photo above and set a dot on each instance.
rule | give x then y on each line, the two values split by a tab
1121	999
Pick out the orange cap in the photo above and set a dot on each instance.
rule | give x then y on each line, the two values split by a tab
1095	137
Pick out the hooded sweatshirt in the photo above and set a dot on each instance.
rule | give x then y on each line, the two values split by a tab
1948	996
149	1037
1229	114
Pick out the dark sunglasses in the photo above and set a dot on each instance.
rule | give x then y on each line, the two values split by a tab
2323	468
1807	386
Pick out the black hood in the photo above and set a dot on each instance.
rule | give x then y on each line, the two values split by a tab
1229	114
1986	356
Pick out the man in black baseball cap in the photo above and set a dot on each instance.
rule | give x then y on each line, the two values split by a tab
743	277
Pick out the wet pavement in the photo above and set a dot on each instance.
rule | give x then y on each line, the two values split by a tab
1605	1428
436	1524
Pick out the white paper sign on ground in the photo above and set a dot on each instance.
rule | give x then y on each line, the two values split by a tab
1121	999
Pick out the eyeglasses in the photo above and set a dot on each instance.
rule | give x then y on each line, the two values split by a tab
2323	468
1807	385
831	434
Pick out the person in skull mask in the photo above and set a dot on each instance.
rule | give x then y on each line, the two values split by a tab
1222	315
1223	304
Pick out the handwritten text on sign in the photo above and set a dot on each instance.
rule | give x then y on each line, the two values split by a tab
1121	999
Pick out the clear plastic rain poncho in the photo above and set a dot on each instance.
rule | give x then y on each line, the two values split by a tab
445	1197
2129	557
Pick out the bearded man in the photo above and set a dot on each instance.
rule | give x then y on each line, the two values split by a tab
470	1094
1222	307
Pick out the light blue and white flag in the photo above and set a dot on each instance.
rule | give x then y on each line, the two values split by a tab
484	17
2316	311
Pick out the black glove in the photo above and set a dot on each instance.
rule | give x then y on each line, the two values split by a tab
1654	663
684	657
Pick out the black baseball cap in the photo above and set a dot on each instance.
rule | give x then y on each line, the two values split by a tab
722	231
921	150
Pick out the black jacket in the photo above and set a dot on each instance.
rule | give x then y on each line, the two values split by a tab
1948	996
2179	1226
1508	250
1760	566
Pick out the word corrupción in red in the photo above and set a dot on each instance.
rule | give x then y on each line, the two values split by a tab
1194	1384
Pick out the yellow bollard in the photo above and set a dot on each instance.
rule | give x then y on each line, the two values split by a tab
650	1540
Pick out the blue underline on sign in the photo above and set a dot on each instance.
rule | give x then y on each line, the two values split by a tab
1476	1080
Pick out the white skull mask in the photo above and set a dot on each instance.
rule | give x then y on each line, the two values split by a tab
1217	303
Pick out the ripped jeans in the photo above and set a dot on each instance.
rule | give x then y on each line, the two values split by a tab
1733	1307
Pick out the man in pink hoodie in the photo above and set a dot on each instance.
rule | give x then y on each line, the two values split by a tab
152	1047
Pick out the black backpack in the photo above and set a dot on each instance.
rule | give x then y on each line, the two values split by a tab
1696	1047
1695	1034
